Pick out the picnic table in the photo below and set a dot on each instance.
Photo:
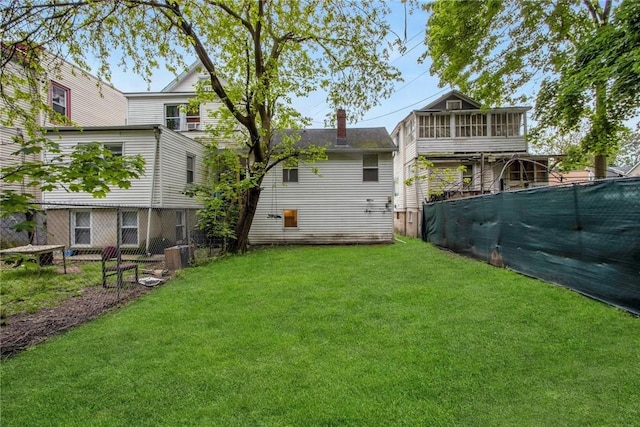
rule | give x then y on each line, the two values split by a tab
37	250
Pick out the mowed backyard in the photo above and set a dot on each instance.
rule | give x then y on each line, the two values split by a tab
401	334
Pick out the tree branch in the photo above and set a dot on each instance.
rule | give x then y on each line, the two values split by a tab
207	63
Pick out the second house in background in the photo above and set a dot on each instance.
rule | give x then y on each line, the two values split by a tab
453	148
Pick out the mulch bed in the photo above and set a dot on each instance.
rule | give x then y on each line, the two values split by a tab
27	329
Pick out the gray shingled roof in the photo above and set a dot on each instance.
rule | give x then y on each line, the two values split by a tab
358	139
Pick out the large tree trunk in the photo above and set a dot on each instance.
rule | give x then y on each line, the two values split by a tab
600	166
602	125
245	220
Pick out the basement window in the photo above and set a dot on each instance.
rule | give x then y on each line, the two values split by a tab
81	228
129	228
290	218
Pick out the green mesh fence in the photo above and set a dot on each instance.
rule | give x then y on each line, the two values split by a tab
585	237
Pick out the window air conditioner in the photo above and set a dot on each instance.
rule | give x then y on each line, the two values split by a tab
193	126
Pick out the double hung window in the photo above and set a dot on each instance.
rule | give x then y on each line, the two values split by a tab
290	172
129	228
370	167
181	228
60	99
81	228
191	168
182	117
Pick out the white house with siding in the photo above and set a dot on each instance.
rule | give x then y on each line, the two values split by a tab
70	91
348	201
154	207
469	150
337	205
171	106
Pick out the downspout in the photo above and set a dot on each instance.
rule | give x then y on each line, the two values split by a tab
156	155
482	173
416	182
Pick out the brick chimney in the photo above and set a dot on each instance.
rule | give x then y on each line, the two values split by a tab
341	134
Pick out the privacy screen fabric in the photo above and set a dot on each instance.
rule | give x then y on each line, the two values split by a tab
585	237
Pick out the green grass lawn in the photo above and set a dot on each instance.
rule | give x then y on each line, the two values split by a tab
29	288
324	336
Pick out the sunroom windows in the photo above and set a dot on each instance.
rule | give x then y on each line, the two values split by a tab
506	124
436	126
470	125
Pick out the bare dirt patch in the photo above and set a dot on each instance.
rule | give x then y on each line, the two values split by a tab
27	329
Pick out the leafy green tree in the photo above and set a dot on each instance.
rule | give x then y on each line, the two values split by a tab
629	152
440	180
257	55
583	53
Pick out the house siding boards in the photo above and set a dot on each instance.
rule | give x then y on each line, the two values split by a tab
169	171
92	103
185	82
332	205
173	159
154	196
7	158
468	145
134	142
143	108
89	97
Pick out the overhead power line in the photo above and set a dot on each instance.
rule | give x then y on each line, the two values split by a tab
404	108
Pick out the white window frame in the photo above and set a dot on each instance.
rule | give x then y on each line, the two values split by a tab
181	225
186	116
435	126
74	227
129	227
176	118
290	174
